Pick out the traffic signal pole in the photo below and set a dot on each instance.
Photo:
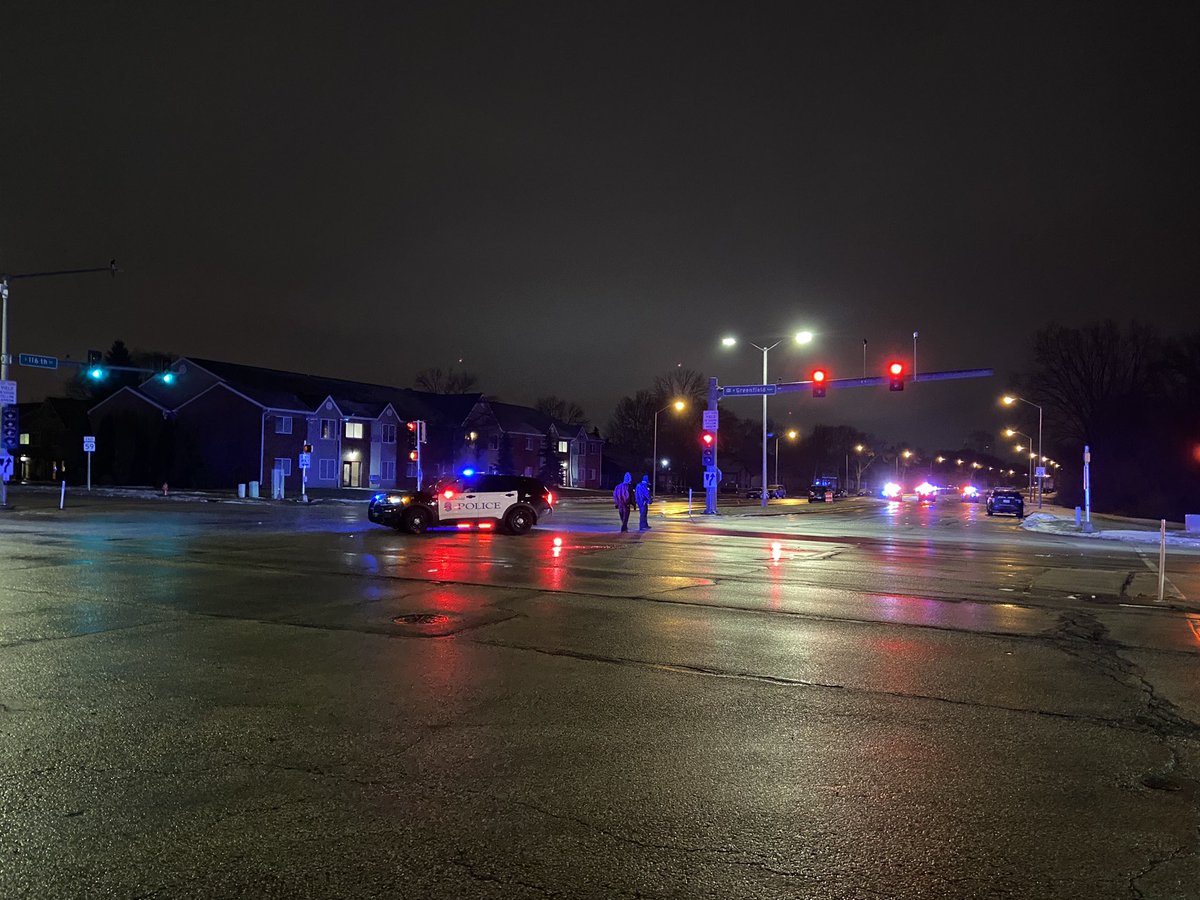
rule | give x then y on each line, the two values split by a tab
4	358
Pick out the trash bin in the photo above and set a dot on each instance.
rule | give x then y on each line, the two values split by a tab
241	491
254	490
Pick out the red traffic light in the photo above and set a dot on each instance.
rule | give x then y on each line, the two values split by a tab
818	382
896	376
707	438
896	369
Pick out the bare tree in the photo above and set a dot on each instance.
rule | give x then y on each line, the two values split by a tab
437	381
632	423
562	410
681	384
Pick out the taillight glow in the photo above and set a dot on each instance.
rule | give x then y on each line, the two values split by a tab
486	526
464	524
448	493
549	498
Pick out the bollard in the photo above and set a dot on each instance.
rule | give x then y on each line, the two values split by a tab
164	493
241	490
1162	556
1078	517
62	497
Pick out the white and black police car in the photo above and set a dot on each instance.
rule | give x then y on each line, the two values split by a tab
513	503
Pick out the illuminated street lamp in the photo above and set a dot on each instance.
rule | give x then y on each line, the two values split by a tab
791	436
801	337
1009	400
679	406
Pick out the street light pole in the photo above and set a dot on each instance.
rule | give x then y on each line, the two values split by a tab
679	405
791	437
1008	401
802	337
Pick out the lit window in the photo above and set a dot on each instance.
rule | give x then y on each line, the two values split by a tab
328	429
354	430
564	447
283	424
24	439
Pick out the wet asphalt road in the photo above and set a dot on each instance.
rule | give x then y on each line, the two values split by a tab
864	700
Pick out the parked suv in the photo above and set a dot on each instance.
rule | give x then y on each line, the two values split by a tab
1005	500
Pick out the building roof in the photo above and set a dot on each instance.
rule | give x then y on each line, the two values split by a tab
514	419
277	389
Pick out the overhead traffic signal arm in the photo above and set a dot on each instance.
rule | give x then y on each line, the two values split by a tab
875	381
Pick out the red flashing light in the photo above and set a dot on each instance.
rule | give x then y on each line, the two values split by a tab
896	376
486	526
464	524
707	438
448	493
896	368
412	426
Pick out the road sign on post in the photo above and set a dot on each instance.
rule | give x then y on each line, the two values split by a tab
89	447
8	392
749	390
6	465
711	420
9	437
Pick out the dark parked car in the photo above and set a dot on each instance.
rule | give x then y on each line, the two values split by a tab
818	493
774	492
1003	500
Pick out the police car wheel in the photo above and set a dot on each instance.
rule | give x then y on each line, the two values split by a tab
518	521
415	521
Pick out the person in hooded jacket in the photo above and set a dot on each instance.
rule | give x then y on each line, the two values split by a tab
642	496
623	498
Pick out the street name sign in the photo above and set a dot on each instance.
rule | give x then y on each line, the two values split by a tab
710	420
748	390
8	392
89	443
38	361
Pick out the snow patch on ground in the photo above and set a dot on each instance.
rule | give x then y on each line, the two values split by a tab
1047	523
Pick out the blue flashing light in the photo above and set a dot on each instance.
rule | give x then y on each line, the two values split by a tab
467	473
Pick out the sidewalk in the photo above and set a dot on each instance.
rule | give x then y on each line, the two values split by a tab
1056	520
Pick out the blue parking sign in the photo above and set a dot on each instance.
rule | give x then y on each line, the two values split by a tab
9	437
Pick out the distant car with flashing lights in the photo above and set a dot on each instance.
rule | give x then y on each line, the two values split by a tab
1006	500
819	493
926	491
512	503
970	494
891	491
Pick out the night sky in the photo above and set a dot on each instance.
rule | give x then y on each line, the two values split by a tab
571	198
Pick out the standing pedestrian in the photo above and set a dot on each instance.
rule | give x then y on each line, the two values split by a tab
642	495
623	498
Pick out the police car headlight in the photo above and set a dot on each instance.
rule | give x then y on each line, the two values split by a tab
395	499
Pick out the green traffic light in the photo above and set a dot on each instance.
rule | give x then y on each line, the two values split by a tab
168	377
96	373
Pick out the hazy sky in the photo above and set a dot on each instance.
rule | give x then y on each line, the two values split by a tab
574	197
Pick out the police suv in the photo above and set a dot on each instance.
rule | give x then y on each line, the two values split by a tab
511	502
